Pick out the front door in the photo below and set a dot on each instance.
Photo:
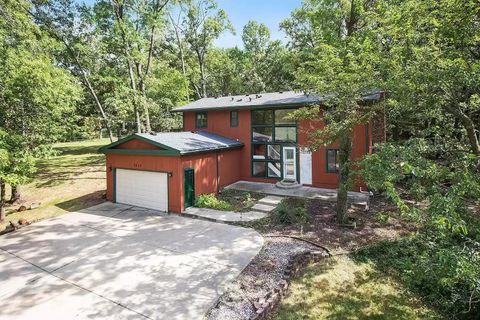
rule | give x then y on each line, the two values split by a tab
189	186
289	163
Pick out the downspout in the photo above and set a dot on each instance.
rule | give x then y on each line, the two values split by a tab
218	176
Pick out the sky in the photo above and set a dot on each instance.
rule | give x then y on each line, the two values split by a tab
270	12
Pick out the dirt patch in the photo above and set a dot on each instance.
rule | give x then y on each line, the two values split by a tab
380	222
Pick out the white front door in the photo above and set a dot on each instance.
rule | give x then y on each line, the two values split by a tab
142	188
289	163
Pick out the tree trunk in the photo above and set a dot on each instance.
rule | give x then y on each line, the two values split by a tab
16	194
203	80
118	8
344	177
2	201
469	126
141	87
182	55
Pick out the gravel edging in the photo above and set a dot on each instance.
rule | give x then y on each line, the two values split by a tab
260	286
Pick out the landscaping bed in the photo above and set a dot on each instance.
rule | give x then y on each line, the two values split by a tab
265	276
229	200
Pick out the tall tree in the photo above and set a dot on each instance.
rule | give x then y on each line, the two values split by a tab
204	23
341	65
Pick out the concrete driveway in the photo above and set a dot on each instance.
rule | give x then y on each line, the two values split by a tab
115	261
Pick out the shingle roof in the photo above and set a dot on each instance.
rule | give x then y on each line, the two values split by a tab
191	142
270	99
289	98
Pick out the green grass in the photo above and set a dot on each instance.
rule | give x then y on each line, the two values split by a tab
71	180
341	288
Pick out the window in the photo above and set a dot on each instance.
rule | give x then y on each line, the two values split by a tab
233	118
271	129
332	160
201	120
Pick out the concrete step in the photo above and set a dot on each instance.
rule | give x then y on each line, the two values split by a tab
263	207
271	200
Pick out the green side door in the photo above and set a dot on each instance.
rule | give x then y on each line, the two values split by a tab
189	187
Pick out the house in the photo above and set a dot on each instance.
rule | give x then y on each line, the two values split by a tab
224	140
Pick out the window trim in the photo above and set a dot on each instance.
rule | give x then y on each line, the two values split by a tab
196	120
326	159
273	142
231	123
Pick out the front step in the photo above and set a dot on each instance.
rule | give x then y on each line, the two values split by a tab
285	184
271	200
263	207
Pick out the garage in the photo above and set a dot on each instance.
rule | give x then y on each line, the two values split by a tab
166	171
146	189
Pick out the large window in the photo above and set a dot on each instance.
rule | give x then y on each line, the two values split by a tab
271	129
332	160
201	120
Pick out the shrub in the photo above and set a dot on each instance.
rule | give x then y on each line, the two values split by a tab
211	201
291	213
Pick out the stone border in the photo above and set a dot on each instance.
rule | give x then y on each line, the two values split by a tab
268	303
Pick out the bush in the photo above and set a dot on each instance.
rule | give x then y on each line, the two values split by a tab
291	212
211	201
443	269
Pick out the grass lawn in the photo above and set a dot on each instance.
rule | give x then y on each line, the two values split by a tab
341	288
73	180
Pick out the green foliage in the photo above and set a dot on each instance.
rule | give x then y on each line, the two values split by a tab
290	212
17	163
211	201
444	269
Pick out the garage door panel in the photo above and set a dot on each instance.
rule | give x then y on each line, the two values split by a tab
142	188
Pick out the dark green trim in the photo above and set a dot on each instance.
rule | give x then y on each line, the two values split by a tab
326	159
185	188
211	150
238	120
196	120
114	170
266	144
135	136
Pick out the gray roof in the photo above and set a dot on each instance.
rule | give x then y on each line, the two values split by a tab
191	142
289	98
270	99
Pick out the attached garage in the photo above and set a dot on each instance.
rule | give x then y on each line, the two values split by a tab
165	171
148	189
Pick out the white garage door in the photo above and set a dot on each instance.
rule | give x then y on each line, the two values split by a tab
142	188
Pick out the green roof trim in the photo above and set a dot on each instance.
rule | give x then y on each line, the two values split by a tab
109	148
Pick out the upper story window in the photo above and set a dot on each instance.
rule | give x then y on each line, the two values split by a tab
332	160
273	126
233	118
201	120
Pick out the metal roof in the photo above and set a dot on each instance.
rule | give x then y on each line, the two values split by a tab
270	99
190	142
177	143
288	98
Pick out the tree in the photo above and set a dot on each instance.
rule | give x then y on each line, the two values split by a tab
17	164
342	66
255	36
35	94
203	24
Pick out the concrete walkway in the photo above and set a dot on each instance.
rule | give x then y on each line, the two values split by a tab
115	261
259	211
301	192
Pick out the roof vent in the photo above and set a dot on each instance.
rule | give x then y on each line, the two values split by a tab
280	92
259	96
239	100
232	99
250	98
153	133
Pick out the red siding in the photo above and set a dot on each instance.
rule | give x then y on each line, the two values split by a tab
136	144
153	163
205	169
219	123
